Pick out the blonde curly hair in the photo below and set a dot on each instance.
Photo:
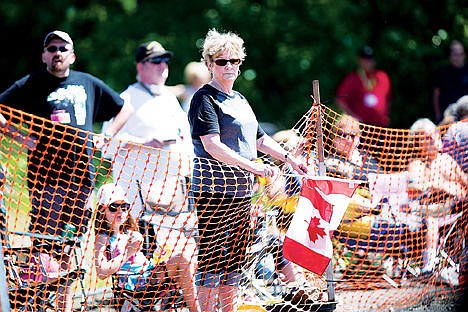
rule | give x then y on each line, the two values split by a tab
216	43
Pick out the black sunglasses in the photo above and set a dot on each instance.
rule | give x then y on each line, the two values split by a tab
53	49
158	59
342	133
223	62
116	206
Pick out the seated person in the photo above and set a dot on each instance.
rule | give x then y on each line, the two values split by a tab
437	181
365	228
431	171
118	251
347	161
455	140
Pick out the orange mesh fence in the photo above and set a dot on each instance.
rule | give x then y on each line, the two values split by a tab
401	242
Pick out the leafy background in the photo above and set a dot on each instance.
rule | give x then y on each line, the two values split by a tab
289	44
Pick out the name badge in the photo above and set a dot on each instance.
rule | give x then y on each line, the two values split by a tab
370	100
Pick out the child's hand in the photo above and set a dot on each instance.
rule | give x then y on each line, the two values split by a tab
135	241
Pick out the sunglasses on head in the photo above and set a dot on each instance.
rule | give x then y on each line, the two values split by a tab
223	62
158	59
53	49
119	206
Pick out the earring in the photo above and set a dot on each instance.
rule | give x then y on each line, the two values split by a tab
238	72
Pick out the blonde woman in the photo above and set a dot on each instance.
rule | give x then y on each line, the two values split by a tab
226	136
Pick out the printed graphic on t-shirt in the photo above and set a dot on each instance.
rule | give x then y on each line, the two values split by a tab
60	116
69	100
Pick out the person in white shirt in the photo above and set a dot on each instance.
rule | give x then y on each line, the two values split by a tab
196	76
155	142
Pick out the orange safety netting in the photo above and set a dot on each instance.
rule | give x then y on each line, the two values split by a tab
400	244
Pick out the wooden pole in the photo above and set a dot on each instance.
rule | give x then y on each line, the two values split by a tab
322	172
318	127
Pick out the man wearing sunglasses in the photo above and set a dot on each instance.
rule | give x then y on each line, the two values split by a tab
65	104
154	144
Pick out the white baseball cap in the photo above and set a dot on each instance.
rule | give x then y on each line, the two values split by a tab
57	34
111	193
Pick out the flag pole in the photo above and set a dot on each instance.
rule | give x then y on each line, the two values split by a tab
322	172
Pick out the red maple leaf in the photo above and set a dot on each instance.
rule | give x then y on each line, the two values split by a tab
315	230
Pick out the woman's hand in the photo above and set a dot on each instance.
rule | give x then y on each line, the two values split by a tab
300	168
297	165
263	170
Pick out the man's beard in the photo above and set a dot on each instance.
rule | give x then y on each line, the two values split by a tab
57	67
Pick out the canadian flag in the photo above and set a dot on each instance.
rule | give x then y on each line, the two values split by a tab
320	209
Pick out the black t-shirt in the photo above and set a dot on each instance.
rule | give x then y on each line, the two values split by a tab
213	111
453	84
62	153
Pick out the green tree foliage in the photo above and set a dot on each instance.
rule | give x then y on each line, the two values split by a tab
289	43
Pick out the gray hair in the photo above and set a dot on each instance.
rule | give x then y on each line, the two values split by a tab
424	126
461	110
217	43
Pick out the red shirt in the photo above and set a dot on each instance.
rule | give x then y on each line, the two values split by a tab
366	96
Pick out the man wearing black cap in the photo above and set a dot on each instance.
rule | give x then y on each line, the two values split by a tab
365	93
67	103
158	126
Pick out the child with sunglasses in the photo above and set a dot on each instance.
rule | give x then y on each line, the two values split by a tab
118	251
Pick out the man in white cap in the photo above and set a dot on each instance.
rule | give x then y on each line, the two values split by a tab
60	171
156	145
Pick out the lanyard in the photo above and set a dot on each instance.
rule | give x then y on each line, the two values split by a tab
146	88
369	84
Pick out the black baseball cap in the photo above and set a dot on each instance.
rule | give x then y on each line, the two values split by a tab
366	52
151	49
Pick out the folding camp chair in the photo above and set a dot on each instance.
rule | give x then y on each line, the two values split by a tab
161	297
166	213
391	191
379	244
34	276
